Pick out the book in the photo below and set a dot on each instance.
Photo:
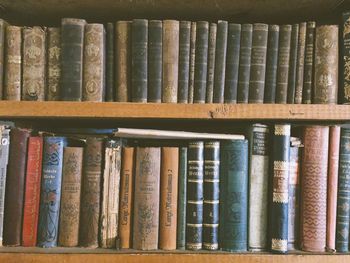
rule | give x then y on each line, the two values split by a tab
53	63
299	81
182	198
184	61
211	62
192	61
110	46
345	48
3	25
293	60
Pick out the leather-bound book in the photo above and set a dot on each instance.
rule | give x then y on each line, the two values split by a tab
70	200
139	56
13	63
211	62
326	65
283	63
170	60
184	61
332	189
293	59
53	63
299	81
194	209
146	203
211	200
32	191
233	195
126	197
220	62
91	193
3	25
271	64
50	197
168	198
72	44
155	46
244	63
258	63
279	205
345	48
201	62
15	178
192	61
232	63
34	63
110	47
314	189
258	186
123	61
181	203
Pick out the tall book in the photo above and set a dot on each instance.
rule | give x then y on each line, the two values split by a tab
50	197
299	81
53	63
211	62
3	25
192	61
293	60
345	70
146	203
72	45
110	46
181	203
184	61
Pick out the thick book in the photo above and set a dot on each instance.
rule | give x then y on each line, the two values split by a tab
146	203
313	213
3	25
72	45
181	202
293	60
32	191
70	199
345	63
184	61
299	81
211	62
192	61
53	63
110	51
34	63
50	197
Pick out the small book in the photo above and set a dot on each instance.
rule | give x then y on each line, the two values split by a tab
300	66
53	63
293	61
110	67
192	61
211	62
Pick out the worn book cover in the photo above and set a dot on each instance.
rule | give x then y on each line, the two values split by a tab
53	63
184	61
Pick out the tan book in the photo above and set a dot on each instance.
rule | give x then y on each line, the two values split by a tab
53	63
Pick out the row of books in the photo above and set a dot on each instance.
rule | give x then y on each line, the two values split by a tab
270	192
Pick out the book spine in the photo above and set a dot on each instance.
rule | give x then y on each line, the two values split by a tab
293	60
232	62
70	200
211	195
50	198
184	61
53	63
181	203
271	64
299	83
314	189
3	25
32	191
146	208
345	48
280	183
170	60
211	62
201	62
258	63
72	44
110	46
192	61
194	205
220	62
258	186
244	63
168	198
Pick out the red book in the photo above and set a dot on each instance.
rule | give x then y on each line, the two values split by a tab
32	191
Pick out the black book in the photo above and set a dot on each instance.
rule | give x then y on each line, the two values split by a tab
211	62
184	61
293	64
110	63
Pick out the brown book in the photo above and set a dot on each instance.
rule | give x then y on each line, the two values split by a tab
300	63
168	198
192	61
314	189
53	63
3	25
146	204
70	199
326	65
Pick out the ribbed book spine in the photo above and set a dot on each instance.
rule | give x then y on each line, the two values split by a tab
3	25
293	63
181	203
345	70
53	67
211	63
184	61
110	46
192	61
299	81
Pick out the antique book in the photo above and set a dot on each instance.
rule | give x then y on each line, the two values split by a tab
3	25
15	178
34	63
258	186
244	63
72	45
110	194
155	59
126	197
110	46
170	60
283	63
50	195
211	62
70	199
181	202
32	191
233	195
299	81
232	63
220	62
345	70
184	61
194	205
139	56
258	63
211	191
271	64
313	213
332	186
146	203
280	184
91	193
293	59
168	198
122	61
13	63
193	36
201	62
53	63
326	65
